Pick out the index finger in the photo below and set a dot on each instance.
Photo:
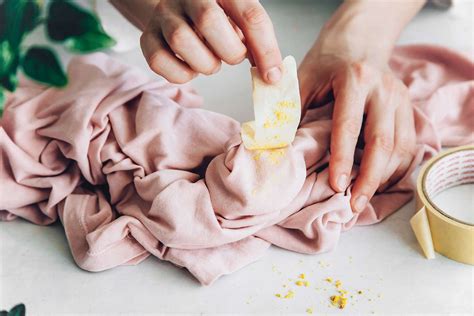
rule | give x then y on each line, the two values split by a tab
347	122
253	20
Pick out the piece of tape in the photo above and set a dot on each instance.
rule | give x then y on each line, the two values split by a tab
277	110
435	229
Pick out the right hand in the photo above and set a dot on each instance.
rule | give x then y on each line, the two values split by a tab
187	37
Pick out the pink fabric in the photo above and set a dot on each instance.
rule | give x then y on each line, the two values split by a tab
133	167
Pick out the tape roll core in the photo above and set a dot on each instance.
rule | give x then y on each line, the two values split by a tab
446	172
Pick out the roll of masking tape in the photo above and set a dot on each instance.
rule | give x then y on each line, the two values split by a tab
435	229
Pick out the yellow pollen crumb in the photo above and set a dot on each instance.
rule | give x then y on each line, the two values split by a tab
338	284
328	280
302	276
299	283
290	294
309	310
359	292
339	301
278	295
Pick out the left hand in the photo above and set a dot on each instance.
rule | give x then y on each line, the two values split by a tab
364	90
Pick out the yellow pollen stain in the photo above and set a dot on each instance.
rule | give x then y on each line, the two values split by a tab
286	104
309	310
281	116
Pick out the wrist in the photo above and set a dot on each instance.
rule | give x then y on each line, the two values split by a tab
365	29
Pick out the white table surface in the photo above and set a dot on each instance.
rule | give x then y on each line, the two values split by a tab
383	260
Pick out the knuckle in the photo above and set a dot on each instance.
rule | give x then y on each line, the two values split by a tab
405	147
235	58
179	76
361	70
255	15
211	68
351	127
382	141
268	53
154	62
179	79
178	36
388	82
341	161
208	17
160	8
370	183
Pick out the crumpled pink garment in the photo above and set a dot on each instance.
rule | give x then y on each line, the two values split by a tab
133	167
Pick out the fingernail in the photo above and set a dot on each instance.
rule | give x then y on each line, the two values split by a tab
274	75
342	182
360	203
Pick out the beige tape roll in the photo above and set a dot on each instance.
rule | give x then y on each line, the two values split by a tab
436	230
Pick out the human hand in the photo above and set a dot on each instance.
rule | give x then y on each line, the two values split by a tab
369	101
187	37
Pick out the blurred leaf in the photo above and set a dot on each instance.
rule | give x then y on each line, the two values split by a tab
89	42
2	104
6	57
66	20
9	81
41	64
17	18
18	310
2	21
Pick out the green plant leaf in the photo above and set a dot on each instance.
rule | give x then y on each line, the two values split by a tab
9	81
41	64
89	42
2	105
18	17
66	20
6	57
18	310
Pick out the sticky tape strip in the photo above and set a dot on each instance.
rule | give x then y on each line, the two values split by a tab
434	229
277	109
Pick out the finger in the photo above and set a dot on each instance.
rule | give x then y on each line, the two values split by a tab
379	133
184	42
213	24
260	37
242	39
348	113
162	60
404	148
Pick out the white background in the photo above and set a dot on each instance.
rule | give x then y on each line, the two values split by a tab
381	260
